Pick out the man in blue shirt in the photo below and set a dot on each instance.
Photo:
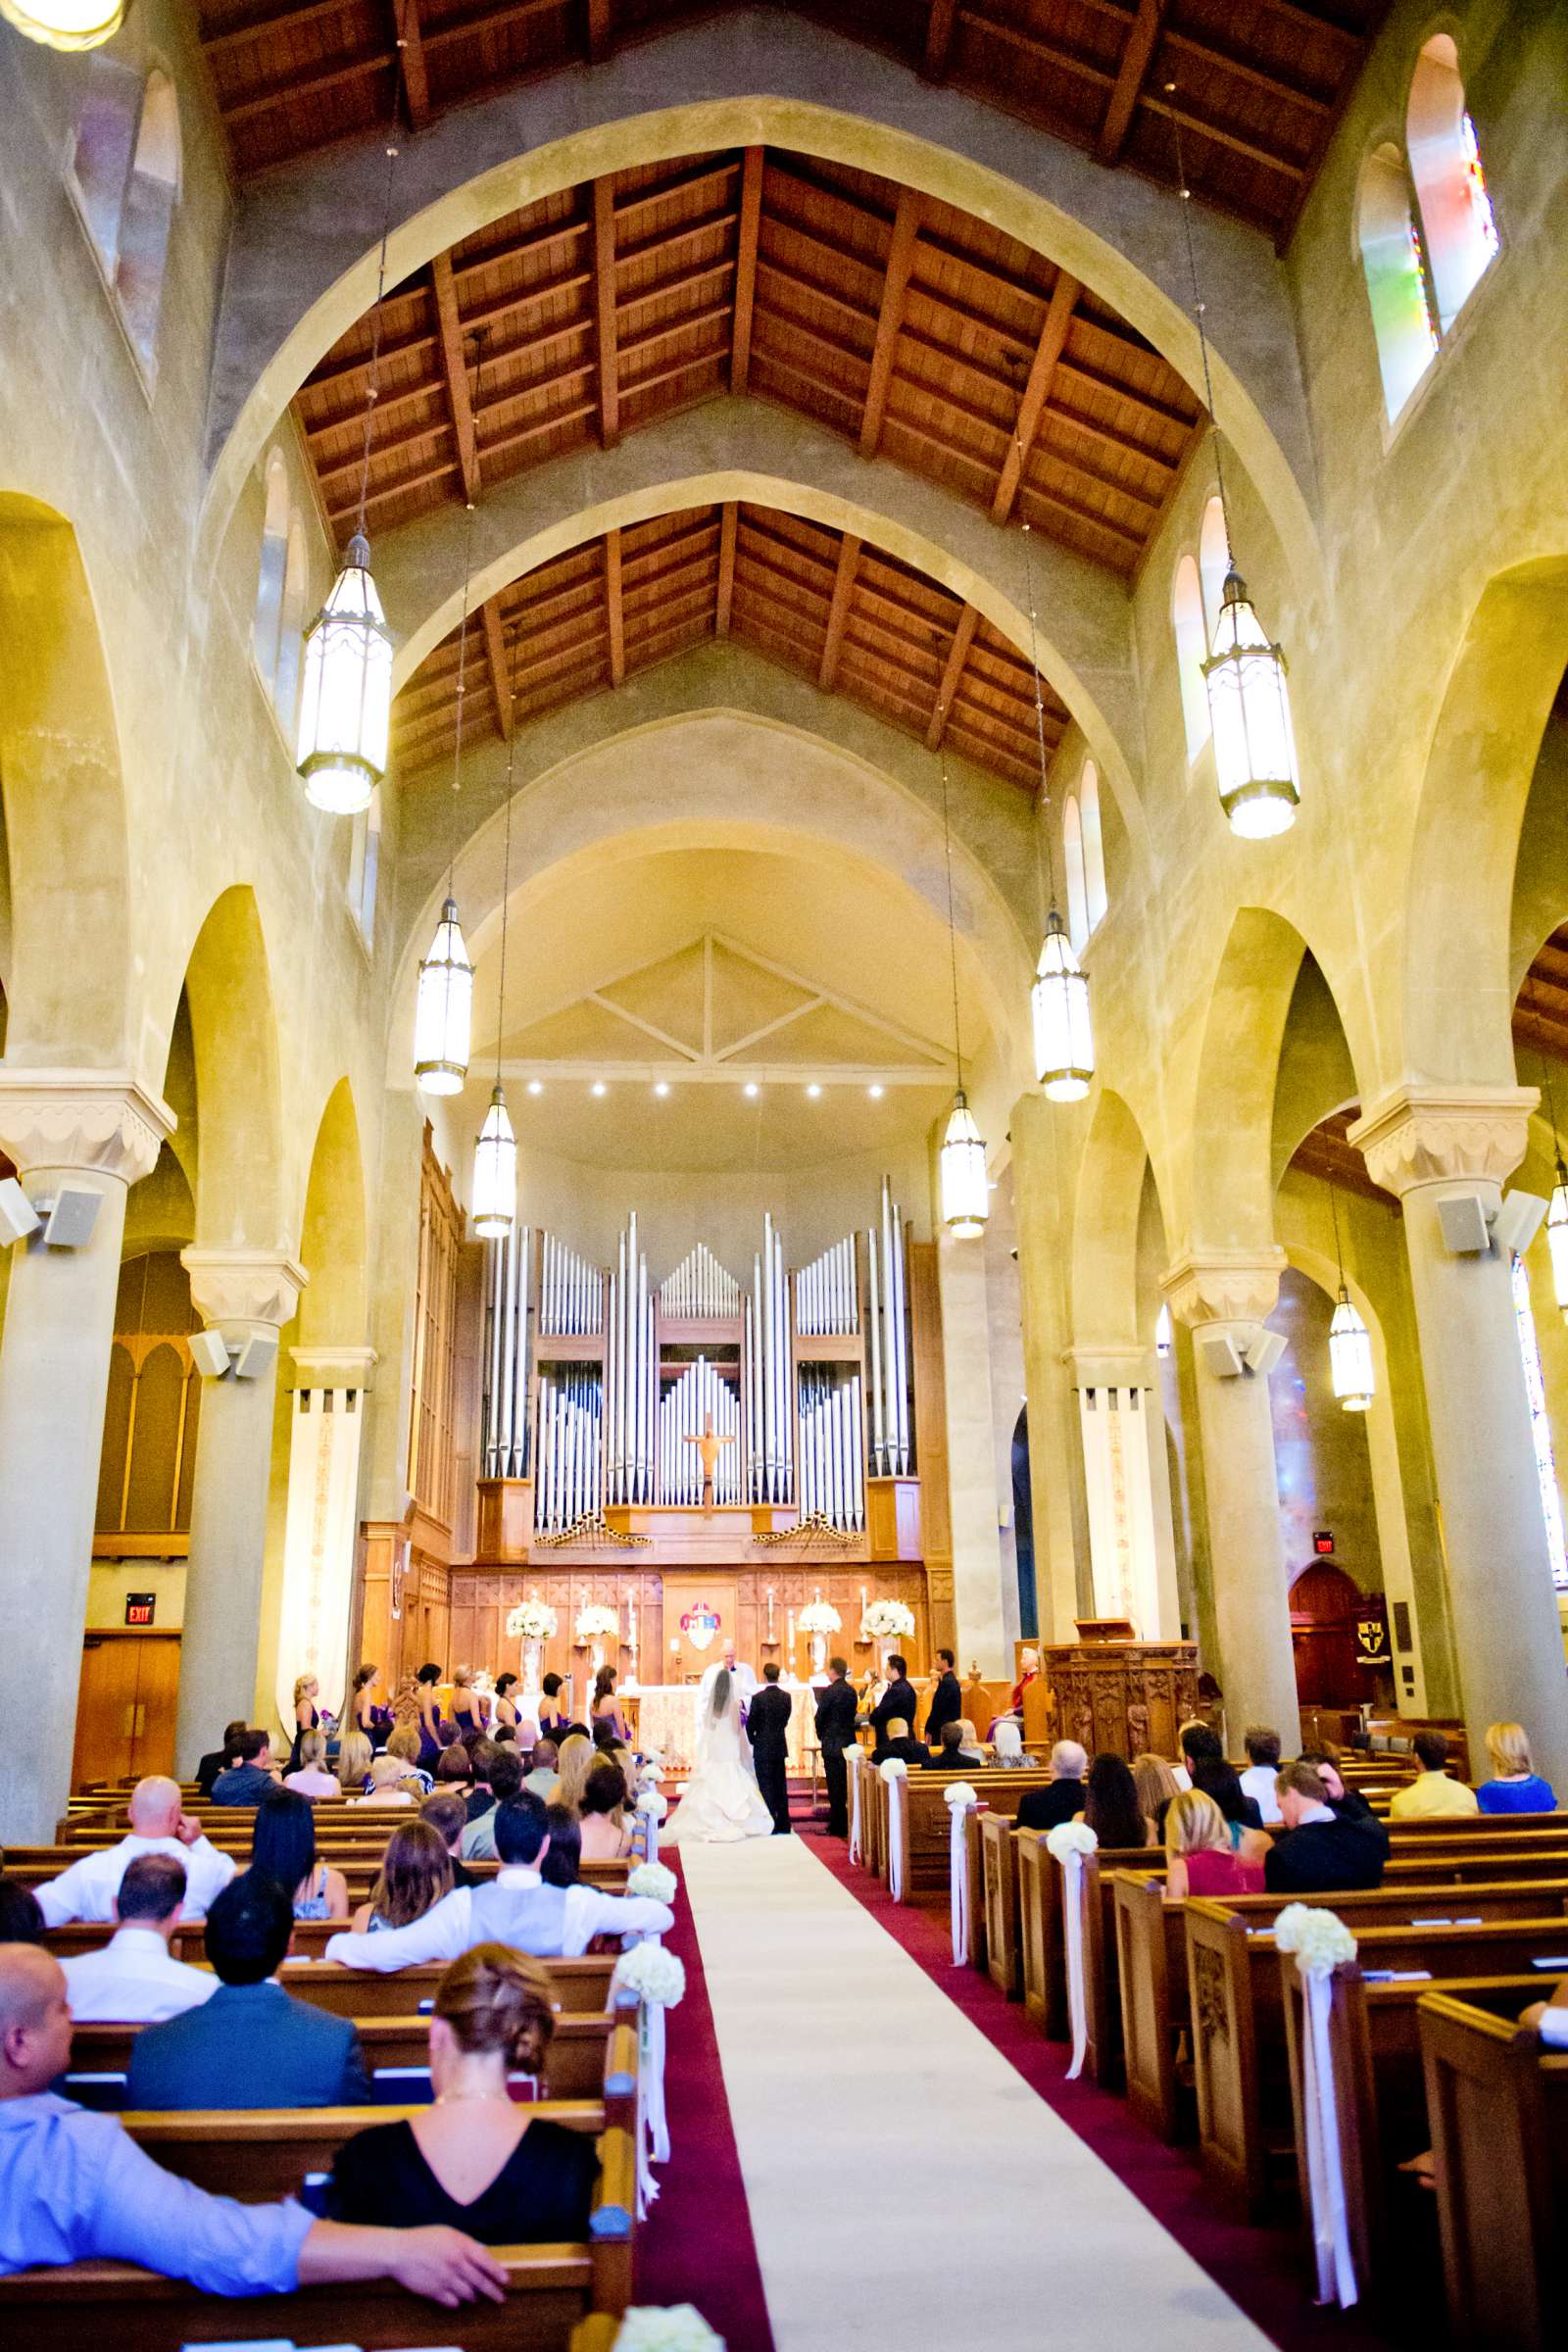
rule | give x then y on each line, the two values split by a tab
251	2044
251	1777
73	2187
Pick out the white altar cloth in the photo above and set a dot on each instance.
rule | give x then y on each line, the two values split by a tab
666	1724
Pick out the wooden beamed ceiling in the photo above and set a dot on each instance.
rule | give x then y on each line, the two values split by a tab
1256	90
817	601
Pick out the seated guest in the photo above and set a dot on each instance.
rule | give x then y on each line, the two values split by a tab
1197	1741
1198	1839
250	2044
20	1918
1156	1783
76	2187
404	1744
132	1980
415	1871
541	1778
1110	1803
900	1702
952	1755
480	1798
1007	1744
517	1908
1029	1671
312	1778
158	1826
477	2157
355	1756
625	1763
1349	1803
283	1845
893	1739
479	1831
248	1779
443	1811
1217	1779
1432	1791
393	1781
601	1815
1062	1799
1262	1764
211	1765
563	1858
605	1732
1319	1854
575	1760
456	1770
1513	1787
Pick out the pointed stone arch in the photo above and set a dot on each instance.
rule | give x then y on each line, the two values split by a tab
240	1191
1109	1203
334	1306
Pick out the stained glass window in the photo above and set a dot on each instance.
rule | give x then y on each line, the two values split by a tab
1540	1426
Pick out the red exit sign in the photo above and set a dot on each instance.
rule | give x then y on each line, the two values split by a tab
139	1607
1322	1543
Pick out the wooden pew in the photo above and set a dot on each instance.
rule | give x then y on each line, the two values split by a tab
1498	2108
927	1824
1041	1924
581	1987
1244	2112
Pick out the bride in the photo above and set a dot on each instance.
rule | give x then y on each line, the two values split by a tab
722	1803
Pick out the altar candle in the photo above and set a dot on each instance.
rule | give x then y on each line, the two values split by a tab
770	1612
789	1619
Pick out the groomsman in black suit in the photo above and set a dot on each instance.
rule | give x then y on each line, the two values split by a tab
898	1701
767	1720
836	1710
947	1701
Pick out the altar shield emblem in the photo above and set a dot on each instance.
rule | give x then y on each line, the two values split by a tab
700	1624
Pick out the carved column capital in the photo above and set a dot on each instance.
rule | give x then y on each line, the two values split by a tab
332	1367
250	1288
1111	1367
1223	1286
95	1122
1422	1135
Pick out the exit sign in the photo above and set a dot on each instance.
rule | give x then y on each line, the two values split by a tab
139	1607
1322	1543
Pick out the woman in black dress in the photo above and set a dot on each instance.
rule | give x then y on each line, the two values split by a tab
477	2159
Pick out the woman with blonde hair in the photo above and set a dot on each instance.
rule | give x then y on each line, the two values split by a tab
1514	1788
355	1756
1156	1785
574	1762
1197	1840
467	1712
312	1778
391	1783
415	1873
306	1717
477	2157
405	1746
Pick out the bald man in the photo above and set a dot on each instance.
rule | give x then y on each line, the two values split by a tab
158	1826
74	2187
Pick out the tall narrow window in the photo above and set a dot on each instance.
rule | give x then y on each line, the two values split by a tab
101	148
1540	1426
125	169
1092	843
272	570
1393	265
1192	649
1457	219
1213	563
365	865
1073	858
291	631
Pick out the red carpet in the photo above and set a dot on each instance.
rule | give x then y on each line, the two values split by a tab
696	2245
1262	2270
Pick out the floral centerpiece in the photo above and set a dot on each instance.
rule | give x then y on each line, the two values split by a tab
596	1624
532	1623
817	1620
666	2328
887	1621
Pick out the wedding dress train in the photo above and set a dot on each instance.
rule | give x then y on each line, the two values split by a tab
722	1803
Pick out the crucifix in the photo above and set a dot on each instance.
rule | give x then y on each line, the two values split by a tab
707	1451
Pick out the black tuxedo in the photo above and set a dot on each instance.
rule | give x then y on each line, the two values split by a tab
951	1759
899	1705
908	1752
1325	1857
1049	1807
767	1729
837	1708
946	1706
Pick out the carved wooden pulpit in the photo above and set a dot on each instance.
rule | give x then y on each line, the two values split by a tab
1129	1697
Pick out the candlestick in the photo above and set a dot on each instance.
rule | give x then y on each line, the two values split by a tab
789	1619
770	1612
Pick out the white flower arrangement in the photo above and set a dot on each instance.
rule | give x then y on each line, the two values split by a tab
818	1617
960	1792
531	1620
654	1975
651	1771
1318	1941
652	1880
655	1802
1070	1838
887	1621
893	1769
594	1622
668	2328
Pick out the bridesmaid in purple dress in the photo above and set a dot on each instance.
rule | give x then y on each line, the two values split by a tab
429	1717
466	1706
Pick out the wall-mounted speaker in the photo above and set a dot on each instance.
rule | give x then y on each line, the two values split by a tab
1462	1217
209	1353
18	1216
1518	1221
1220	1354
1263	1351
257	1357
71	1218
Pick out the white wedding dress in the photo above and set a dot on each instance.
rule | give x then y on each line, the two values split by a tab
722	1803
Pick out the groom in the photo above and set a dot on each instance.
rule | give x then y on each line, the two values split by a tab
767	1729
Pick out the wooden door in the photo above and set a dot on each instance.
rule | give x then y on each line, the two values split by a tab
699	1616
126	1703
157	1703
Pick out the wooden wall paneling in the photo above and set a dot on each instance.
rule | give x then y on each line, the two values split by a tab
931	1437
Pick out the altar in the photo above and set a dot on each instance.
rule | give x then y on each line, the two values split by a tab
666	1724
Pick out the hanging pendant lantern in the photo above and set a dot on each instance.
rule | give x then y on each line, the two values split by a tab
443	1009
1350	1356
346	703
1249	708
66	24
965	1194
1058	1001
1557	1237
495	1173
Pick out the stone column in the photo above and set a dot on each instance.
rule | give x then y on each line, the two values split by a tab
93	1131
246	1296
1221	1296
1428	1144
971	1456
1056	1457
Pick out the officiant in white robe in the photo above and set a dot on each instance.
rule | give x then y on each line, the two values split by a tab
743	1680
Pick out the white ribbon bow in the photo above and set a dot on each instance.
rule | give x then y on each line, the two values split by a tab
895	1774
1077	1997
855	1758
1331	2224
961	1801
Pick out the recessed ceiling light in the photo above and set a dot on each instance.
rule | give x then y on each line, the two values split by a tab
598	1087
536	1086
814	1089
752	1088
662	1088
875	1093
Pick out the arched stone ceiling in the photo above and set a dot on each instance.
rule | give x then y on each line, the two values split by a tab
1256	90
821	602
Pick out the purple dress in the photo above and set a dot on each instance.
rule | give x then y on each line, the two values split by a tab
430	1744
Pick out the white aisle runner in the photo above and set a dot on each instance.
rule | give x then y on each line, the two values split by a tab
906	2186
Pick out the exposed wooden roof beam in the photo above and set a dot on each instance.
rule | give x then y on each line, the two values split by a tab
1223	136
410	40
495	653
938	39
450	328
1049	53
839	610
1130	76
894	290
1037	390
726	566
615	608
605	310
953	671
747	240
